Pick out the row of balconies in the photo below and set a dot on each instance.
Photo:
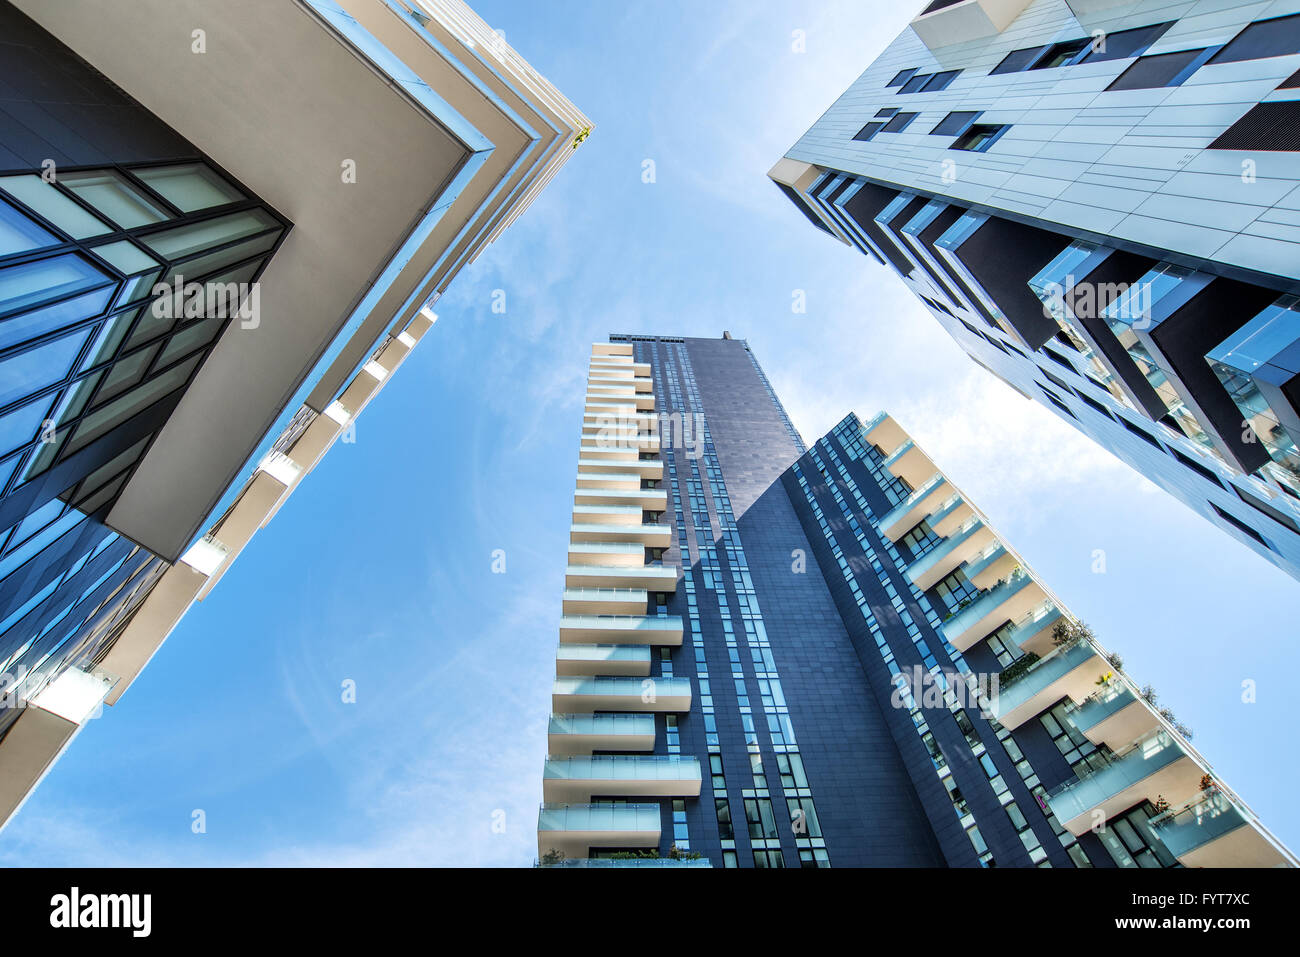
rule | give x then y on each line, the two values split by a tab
1206	825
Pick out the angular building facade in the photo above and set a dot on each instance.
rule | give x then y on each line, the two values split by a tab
1100	201
209	264
779	656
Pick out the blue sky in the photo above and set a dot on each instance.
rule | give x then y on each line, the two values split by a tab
379	568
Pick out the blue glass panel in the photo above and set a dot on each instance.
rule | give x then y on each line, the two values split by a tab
30	284
37	520
35	369
23	425
21	328
38	542
18	234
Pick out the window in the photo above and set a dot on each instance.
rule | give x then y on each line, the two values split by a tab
916	83
803	817
1124	43
1196	467
111	194
868	131
979	138
1059	54
1016	60
758	815
1279	36
190	188
940	81
1240	526
47	201
920	539
18	234
901	77
1163	69
955	123
725	830
899	123
1092	403
768	859
1270	127
886	112
1141	433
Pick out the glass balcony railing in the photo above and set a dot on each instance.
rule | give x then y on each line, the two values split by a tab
606	653
1210	817
622	622
1040	676
1149	754
632	862
895	514
1043	616
632	687
601	725
622	767
1096	708
941	554
599	817
986	603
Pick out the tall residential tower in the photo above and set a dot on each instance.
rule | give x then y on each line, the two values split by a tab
223	226
779	656
1100	201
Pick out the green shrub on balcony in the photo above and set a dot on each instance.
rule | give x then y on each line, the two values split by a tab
1016	670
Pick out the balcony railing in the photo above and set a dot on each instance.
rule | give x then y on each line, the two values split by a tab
1070	670
1207	819
623	767
632	862
599	817
1155	766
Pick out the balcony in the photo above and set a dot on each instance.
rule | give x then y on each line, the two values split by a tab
1072	670
942	560
580	695
945	22
634	862
606	553
608	480
609	453
1006	601
1213	831
910	464
575	659
991	565
607	514
573	779
584	733
605	601
1114	716
624	629
953	513
651	577
574	829
641	401
1033	630
656	536
645	468
611	349
883	432
904	516
655	499
1156	766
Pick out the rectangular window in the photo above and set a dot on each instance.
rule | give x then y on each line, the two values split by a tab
1123	43
899	123
868	131
979	138
940	81
901	77
1163	69
1060	54
954	124
1279	36
1269	127
1016	61
915	84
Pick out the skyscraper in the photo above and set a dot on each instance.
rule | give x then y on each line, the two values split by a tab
223	226
779	656
1099	201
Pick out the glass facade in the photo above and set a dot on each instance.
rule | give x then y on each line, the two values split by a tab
115	283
